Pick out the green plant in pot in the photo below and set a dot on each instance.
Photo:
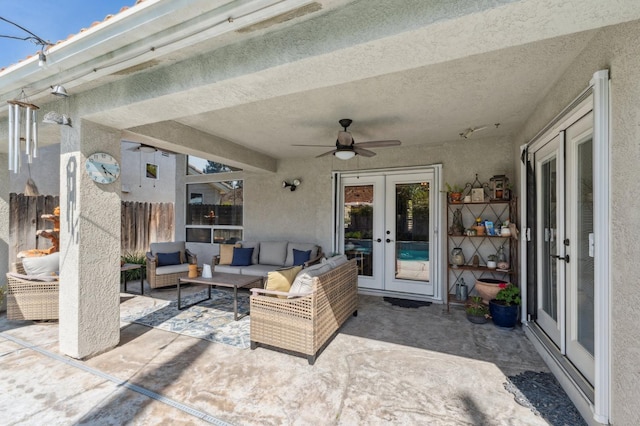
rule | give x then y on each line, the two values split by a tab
504	308
454	192
492	261
477	312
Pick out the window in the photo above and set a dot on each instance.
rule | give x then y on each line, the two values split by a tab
214	212
200	166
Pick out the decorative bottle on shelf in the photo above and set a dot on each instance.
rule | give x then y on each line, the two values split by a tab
502	259
457	257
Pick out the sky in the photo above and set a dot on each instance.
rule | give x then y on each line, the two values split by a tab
51	20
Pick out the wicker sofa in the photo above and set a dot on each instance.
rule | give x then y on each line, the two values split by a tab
305	322
31	297
159	275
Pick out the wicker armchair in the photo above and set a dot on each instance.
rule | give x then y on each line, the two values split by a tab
31	297
164	276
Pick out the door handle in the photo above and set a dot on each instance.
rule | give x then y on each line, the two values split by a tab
388	240
379	240
565	258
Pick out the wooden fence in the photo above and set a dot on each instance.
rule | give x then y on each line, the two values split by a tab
141	223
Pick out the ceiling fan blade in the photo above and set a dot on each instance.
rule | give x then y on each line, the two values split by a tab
363	152
322	146
327	153
378	144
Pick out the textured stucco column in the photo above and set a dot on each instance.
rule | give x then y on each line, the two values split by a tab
180	207
90	244
4	223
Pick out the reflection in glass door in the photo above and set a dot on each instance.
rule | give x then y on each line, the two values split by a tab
363	199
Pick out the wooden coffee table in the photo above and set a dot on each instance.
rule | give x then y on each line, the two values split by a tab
220	279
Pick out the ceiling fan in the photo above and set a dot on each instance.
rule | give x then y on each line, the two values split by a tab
347	148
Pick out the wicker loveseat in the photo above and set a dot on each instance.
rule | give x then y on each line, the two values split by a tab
305	322
31	297
162	275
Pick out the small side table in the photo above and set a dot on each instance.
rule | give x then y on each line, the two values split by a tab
131	267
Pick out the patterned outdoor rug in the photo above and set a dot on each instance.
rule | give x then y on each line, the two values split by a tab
209	320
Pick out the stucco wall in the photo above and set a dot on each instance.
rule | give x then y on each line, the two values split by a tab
136	186
305	214
618	49
45	172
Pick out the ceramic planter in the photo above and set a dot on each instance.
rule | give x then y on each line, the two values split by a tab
503	316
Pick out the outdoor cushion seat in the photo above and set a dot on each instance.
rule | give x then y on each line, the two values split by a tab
172	269
32	297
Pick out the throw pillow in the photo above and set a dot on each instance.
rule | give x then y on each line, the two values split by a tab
255	245
42	265
241	256
303	283
299	257
166	259
281	279
226	254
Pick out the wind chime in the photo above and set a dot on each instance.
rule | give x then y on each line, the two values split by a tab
23	112
23	126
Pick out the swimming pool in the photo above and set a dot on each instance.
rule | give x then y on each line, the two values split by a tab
412	250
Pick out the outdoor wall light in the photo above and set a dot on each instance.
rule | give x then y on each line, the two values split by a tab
293	185
59	90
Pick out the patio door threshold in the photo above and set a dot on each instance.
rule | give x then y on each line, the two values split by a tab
577	388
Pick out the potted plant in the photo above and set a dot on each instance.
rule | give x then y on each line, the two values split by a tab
454	192
492	261
504	308
477	312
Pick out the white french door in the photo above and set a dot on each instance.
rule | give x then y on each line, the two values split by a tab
550	205
565	252
388	223
580	332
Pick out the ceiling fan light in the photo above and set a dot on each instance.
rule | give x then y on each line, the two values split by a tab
345	155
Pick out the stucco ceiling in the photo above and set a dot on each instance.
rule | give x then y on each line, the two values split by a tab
421	72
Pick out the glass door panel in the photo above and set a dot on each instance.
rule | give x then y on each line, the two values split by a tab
580	280
550	208
363	219
408	233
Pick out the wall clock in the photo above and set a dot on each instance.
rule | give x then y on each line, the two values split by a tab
102	167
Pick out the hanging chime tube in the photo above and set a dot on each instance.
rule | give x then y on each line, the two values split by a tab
11	124
16	139
34	132
27	128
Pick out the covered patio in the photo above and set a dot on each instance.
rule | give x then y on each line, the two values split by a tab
469	88
388	365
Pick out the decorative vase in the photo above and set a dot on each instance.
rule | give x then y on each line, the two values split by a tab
503	316
456	197
488	288
457	256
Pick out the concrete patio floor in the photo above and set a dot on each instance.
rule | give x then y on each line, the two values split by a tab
387	365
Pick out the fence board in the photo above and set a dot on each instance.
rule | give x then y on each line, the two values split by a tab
141	223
